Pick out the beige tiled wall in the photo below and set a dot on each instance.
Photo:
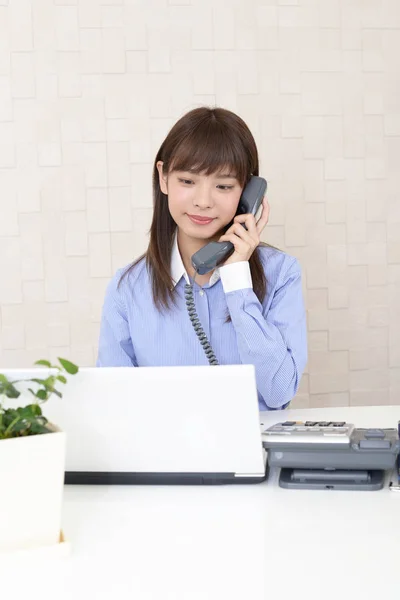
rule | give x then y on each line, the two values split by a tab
88	89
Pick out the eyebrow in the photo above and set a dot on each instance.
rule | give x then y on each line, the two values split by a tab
217	176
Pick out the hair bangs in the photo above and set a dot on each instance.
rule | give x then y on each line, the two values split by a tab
210	149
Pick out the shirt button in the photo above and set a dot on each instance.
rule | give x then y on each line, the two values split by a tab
201	293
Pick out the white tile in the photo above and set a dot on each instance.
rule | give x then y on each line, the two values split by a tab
33	291
10	268
117	130
22	75
49	155
95	164
160	104
351	38
373	60
202	29
120	209
20	24
80	333
158	55
392	124
141	225
122	249
314	138
112	16
141	186
32	265
223	25
329	362
318	341
140	148
245	26
91	44
375	167
118	164
376	232
357	254
134	28
89	14
292	127
203	66
9	211
13	338
377	253
56	289
67	28
321	93
99	255
338	296
58	334
318	319
73	187
76	238
334	168
98	217
328	382
137	61
113	51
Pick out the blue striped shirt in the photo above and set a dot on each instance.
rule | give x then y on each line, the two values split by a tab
271	336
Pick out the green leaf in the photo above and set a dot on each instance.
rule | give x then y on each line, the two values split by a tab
31	411
11	392
68	366
36	380
61	378
45	363
3	378
56	392
42	394
37	428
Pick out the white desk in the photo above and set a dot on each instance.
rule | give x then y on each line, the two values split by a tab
221	543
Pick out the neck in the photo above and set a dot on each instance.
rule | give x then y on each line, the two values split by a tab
187	247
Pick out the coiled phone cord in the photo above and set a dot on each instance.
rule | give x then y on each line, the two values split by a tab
191	308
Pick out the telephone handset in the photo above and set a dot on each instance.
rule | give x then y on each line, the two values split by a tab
214	253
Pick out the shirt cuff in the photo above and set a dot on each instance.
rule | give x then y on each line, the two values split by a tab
236	276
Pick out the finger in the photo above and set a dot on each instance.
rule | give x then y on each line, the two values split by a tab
242	247
263	220
248	222
249	236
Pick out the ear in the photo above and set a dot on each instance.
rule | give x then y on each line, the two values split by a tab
162	178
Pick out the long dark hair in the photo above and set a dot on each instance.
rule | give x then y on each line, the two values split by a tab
203	140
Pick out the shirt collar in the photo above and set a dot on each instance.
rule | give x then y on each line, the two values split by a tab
178	270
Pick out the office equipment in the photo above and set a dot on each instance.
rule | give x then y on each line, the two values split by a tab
330	454
159	425
395	480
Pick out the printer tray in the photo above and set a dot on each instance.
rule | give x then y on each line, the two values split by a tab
319	479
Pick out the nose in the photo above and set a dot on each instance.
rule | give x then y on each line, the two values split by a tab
203	199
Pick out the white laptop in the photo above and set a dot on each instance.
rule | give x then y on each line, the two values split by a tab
158	425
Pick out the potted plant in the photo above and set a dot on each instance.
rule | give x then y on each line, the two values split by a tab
31	463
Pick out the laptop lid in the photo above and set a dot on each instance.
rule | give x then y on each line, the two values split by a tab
158	422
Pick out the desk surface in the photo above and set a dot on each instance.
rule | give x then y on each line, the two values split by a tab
228	542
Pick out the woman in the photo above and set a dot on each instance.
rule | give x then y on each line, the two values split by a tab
251	307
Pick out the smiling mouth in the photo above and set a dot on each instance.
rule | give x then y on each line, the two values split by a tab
200	220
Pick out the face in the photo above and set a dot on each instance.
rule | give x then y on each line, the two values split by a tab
201	205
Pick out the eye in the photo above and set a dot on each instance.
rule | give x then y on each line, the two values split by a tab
185	181
225	188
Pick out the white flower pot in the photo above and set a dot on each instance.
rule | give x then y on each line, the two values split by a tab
31	490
